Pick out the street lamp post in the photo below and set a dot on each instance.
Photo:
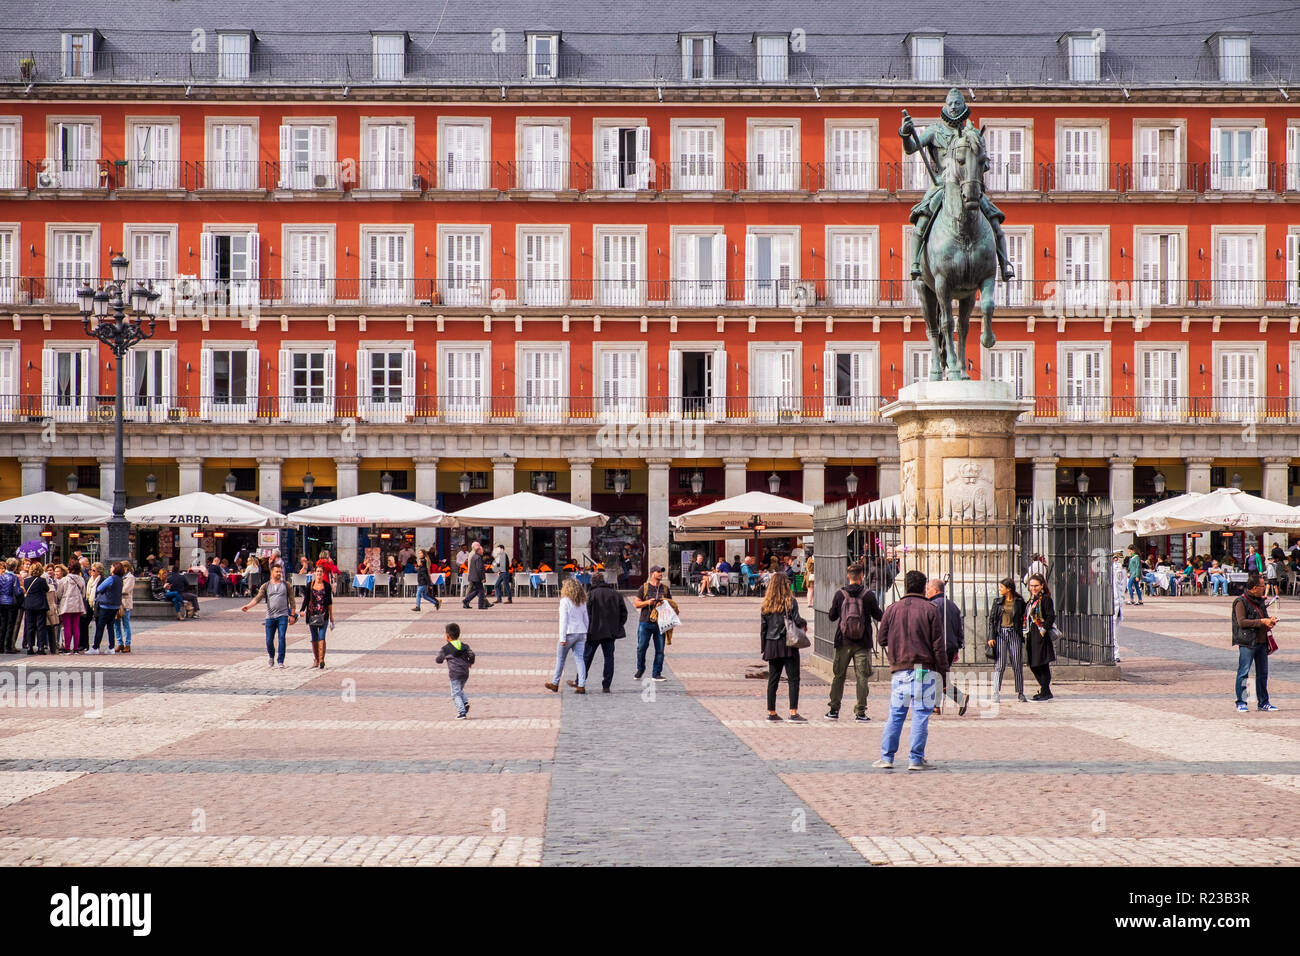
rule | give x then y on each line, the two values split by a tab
120	331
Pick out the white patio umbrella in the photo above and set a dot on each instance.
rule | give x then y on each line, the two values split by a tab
1225	509
373	508
781	517
51	507
1129	523
254	505
888	510
200	508
528	510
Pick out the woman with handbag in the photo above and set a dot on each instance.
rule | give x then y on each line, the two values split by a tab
1040	618
35	607
70	593
574	622
1006	624
108	600
53	573
779	617
122	626
318	609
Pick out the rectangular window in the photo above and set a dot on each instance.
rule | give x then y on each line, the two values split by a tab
11	154
74	262
1080	167
234	50
543	56
772	384
853	269
916	363
464	389
151	260
1237	389
927	59
621	269
773	59
1234	59
1016	292
229	377
847	384
775	164
147	387
849	165
389	165
388	56
1239	158
464	153
1292	156
622	396
1011	366
310	268
1082	384
1008	164
307	383
8	268
697	58
388	270
229	264
1083	268
464	268
76	163
1160	268
153	163
624	161
770	268
697	383
67	387
1160	384
386	383
233	163
1160	167
544	164
78	55
1085	59
307	157
544	270
1237	270
698	166
543	385
1293	272
700	269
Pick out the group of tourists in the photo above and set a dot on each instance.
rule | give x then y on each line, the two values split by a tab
51	608
1198	573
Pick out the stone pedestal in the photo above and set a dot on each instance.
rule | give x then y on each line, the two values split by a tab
957	483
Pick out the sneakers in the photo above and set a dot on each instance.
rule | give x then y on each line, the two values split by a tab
923	765
281	666
660	679
883	764
271	664
862	718
462	716
1044	696
1266	707
93	650
638	675
832	715
773	716
1021	698
798	718
1242	708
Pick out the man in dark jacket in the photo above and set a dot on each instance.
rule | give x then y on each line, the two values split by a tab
476	575
863	608
954	635
911	632
178	591
606	618
1251	624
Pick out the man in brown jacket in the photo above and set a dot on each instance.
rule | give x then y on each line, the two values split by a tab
912	634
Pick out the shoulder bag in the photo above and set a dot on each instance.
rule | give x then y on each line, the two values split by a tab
796	633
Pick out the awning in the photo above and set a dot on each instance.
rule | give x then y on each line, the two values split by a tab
373	509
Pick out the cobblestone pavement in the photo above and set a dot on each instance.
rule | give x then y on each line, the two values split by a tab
208	756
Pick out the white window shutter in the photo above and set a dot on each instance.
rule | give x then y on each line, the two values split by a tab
751	266
165	384
286	157
377	141
1293	157
408	382
1216	138
48	388
286	382
720	382
126	368
1293	269
719	269
205	383
363	384
252	360
207	262
254	268
1149	158
644	171
608	168
1259	156
329	383
675	382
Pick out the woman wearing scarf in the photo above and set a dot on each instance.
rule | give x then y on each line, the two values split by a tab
1040	615
1251	624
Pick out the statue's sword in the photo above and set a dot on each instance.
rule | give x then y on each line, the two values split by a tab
925	157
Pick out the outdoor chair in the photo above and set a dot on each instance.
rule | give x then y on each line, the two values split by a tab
410	582
523	584
298	583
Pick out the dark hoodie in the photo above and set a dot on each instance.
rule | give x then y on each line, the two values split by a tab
606	614
458	661
870	611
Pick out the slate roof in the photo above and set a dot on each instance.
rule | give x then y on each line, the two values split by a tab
1006	42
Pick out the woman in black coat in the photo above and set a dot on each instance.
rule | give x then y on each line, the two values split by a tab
1040	615
778	604
606	621
1006	627
35	604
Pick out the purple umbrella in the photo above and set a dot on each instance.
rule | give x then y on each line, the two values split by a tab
33	549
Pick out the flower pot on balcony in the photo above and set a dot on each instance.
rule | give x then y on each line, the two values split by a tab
27	68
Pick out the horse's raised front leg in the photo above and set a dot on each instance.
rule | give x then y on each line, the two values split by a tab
964	308
930	309
951	362
987	338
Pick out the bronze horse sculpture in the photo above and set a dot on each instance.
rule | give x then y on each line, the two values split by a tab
960	258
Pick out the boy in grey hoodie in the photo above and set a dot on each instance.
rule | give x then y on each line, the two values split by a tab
460	658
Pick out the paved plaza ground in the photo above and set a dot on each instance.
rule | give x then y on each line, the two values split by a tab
204	755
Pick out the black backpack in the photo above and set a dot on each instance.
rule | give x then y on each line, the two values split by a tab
853	620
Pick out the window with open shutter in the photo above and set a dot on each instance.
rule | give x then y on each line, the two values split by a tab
67	383
621	396
1159	268
1159	152
1079	166
78	55
1160	386
1006	156
543	268
78	164
1237	270
697	162
1082	384
697	57
464	272
773	166
1292	157
620	269
853	269
382	387
851	168
1238	386
464	388
10	399
1238	158
847	382
770	268
147	384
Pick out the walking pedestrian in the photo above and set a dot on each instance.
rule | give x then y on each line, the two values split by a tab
653	593
606	623
122	623
1006	625
10	600
1040	616
911	632
318	608
476	575
954	637
70	593
501	565
852	610
424	582
574	622
35	606
779	608
108	599
460	658
1251	627
1134	576
279	615
92	574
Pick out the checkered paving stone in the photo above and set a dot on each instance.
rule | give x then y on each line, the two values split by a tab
690	769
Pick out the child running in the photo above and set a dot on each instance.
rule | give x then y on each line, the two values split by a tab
460	658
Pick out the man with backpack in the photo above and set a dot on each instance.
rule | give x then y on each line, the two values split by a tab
852	609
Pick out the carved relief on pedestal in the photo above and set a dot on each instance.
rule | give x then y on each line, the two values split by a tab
907	486
968	485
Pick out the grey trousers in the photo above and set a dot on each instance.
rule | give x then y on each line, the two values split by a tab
1010	646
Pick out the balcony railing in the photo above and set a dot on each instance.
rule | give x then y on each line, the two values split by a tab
799	69
466	289
1082	176
307	176
547	175
1205	409
233	175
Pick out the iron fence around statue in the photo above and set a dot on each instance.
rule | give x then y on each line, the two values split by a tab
971	551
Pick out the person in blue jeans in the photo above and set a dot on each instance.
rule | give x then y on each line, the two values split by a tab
652	594
911	632
1134	565
1218	580
1250	628
108	599
279	613
460	658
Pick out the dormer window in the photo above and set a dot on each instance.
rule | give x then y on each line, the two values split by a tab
543	56
79	53
388	55
1083	55
773	51
697	56
927	57
1233	52
234	50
